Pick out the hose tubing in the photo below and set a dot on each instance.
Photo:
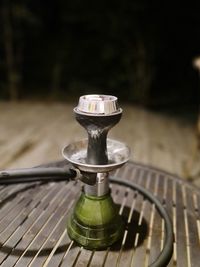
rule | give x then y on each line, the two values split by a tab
42	174
59	174
166	254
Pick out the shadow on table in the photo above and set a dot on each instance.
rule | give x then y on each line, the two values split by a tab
136	233
135	230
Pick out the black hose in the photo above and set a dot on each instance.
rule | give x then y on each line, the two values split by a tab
59	174
166	254
44	174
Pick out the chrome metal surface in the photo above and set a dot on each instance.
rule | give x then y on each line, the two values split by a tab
76	153
98	105
100	188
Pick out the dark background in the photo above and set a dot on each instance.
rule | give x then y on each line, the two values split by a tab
141	51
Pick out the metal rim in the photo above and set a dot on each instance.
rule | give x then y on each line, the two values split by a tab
83	166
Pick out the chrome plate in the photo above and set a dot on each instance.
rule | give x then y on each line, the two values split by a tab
76	153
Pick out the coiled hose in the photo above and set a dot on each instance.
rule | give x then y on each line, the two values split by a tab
65	173
166	254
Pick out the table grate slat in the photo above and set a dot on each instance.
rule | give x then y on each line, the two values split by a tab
33	221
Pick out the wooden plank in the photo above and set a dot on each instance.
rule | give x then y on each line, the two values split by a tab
193	244
37	243
155	220
125	254
57	256
170	202
30	136
10	240
182	256
15	216
141	252
193	239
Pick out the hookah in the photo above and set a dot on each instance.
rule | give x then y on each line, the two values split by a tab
94	222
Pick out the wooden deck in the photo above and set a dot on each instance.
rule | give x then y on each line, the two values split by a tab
35	133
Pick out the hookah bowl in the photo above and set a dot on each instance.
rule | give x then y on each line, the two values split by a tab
94	222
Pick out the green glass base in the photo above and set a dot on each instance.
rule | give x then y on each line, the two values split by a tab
94	222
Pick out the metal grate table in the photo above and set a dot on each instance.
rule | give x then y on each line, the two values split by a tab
33	218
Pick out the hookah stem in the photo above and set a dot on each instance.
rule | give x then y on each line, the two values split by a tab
97	149
43	174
